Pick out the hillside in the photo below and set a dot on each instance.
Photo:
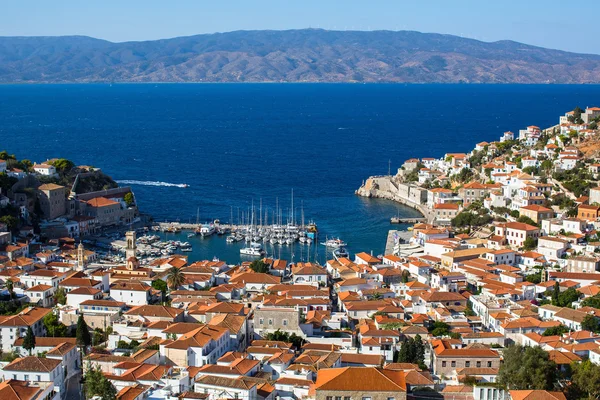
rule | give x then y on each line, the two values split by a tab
306	55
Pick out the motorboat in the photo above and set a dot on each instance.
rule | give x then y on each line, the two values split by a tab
340	253
207	230
334	243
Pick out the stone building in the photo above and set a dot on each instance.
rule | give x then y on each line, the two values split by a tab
270	319
52	199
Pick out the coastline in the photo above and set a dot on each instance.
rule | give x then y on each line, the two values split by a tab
383	187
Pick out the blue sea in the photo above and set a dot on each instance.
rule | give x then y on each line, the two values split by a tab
238	143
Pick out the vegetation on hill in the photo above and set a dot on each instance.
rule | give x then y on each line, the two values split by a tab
304	55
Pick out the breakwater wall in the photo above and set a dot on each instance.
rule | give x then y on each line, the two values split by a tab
384	187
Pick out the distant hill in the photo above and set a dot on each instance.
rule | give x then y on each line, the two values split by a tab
306	55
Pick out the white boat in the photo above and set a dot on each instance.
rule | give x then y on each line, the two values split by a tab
207	230
191	235
186	249
254	250
230	239
334	243
340	253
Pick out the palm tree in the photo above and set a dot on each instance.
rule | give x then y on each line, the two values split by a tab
10	288
175	278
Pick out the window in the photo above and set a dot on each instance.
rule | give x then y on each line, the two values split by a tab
489	364
478	364
467	364
39	378
338	397
261	321
270	321
347	398
443	363
453	364
366	398
391	398
26	377
329	398
285	322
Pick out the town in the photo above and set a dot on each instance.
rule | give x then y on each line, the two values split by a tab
495	295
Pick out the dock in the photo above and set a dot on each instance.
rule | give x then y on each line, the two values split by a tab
413	220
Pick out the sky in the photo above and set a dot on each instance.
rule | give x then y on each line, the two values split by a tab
537	22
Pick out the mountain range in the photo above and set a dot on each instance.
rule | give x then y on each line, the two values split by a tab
305	55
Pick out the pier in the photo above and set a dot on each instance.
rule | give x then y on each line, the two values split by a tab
398	220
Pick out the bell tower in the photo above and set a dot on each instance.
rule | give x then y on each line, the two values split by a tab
130	250
80	257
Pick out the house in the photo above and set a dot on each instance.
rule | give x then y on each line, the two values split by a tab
131	293
472	191
366	259
201	346
15	326
155	313
41	295
360	383
516	233
77	296
536	212
535	395
255	282
445	212
582	264
447	359
271	319
44	169
588	212
309	273
36	369
217	387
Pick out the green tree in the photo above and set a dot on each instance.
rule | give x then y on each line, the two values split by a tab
526	220
129	200
593	301
82	333
281	336
63	165
515	213
530	244
60	297
419	351
96	384
527	368
175	278
590	323
586	378
161	285
555	330
10	286
53	326
29	340
555	294
259	266
439	328
405	276
534	278
11	222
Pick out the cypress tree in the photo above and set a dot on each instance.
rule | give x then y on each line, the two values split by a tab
83	333
29	340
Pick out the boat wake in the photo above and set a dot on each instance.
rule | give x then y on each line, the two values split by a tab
153	183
